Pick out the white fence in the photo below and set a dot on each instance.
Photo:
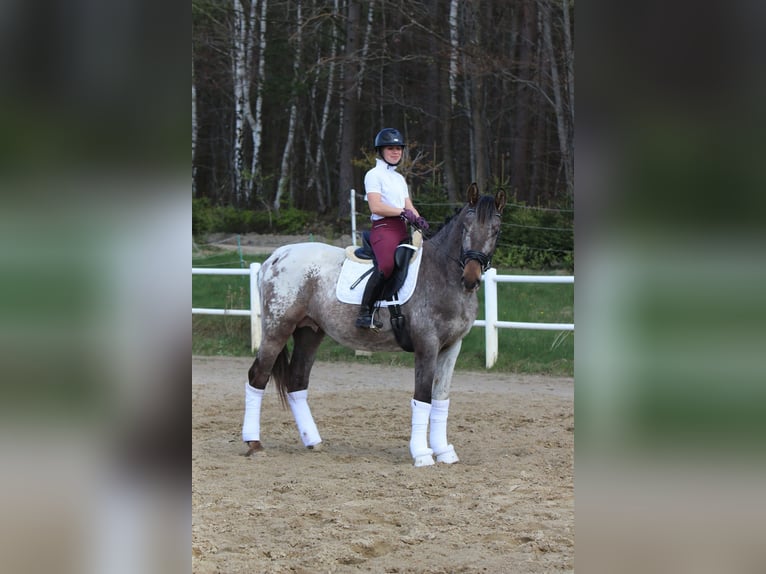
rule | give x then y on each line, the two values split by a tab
255	300
490	323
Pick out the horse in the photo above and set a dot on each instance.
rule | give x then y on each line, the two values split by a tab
298	299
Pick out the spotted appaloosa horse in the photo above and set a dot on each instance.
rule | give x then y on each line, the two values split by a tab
298	298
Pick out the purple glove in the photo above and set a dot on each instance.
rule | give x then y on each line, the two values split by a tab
408	215
418	222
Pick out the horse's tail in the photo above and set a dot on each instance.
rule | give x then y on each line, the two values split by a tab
281	373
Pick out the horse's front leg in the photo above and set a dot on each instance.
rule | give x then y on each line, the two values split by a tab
445	366
425	368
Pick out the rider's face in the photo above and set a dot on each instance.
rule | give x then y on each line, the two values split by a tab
392	153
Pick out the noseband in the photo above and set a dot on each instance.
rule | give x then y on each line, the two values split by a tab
482	258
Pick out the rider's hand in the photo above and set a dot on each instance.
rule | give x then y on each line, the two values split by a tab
417	221
410	216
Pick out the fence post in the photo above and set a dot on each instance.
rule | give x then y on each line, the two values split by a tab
353	217
490	317
255	308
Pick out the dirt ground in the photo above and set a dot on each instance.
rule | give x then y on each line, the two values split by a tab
358	504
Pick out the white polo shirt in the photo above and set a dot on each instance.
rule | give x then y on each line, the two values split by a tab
389	183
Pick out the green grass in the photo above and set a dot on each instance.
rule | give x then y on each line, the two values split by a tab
520	350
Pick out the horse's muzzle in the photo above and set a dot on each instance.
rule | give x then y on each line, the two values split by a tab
471	287
471	279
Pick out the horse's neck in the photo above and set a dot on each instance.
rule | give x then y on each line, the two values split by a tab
447	246
451	237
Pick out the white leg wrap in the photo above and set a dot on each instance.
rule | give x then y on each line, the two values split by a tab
444	451
419	439
251	426
306	426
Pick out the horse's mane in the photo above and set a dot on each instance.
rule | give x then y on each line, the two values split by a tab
485	209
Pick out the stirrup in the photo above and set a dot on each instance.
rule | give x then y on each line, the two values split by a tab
368	321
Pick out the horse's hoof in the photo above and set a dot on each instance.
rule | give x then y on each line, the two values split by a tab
448	456
424	460
253	447
315	447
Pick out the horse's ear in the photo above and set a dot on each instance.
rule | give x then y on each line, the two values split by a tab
500	200
473	194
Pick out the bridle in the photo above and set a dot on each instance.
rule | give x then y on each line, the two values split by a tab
479	256
482	258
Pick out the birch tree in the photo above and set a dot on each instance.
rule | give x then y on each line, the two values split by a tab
243	41
365	48
260	78
284	176
241	85
314	179
453	54
449	104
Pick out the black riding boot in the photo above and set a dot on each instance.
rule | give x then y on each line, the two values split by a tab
366	318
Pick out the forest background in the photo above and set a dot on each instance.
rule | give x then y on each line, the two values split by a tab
287	96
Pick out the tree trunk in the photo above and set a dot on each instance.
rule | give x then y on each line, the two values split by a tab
365	48
260	78
350	104
475	104
562	127
284	175
453	41
449	101
569	55
524	110
243	39
239	81
194	130
479	131
315	179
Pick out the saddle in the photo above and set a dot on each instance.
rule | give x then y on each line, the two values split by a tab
365	254
404	256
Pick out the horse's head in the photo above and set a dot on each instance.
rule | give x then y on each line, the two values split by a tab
481	226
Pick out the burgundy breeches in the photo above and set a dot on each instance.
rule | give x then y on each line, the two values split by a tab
385	236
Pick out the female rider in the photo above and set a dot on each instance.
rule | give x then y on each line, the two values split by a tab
391	207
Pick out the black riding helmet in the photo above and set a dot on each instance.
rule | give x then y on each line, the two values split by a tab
386	137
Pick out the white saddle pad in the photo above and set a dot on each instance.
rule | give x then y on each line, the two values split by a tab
352	270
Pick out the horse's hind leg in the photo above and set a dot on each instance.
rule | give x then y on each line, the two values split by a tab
307	342
271	351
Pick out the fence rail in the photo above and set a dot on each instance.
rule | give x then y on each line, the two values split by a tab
255	300
490	323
